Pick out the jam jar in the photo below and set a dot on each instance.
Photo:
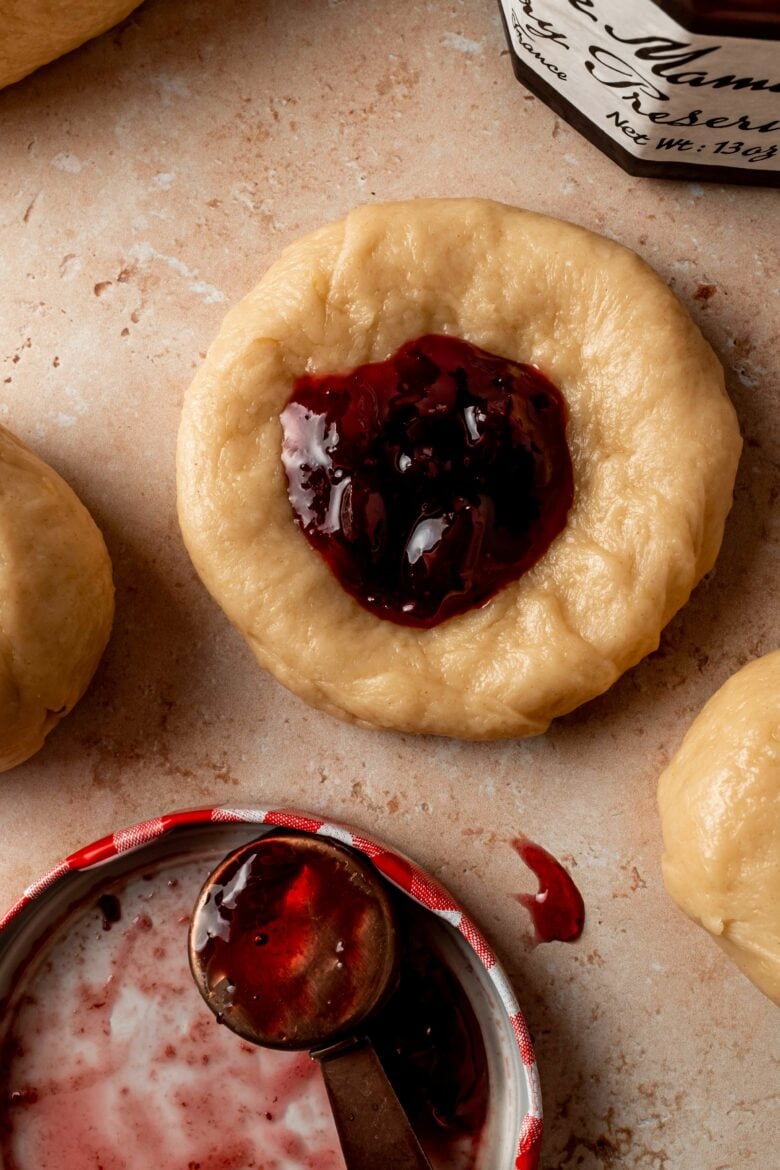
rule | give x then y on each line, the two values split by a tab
679	89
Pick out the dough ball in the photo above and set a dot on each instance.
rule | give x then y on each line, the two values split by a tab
720	812
56	600
34	32
653	438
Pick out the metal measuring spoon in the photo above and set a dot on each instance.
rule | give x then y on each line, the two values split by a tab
293	945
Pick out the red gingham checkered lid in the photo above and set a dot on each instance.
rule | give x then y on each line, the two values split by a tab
397	868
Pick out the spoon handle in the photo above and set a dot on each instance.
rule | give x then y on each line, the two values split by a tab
373	1128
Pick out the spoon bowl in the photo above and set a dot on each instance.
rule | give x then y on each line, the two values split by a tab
293	944
293	941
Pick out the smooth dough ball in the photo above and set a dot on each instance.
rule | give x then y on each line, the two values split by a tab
653	438
56	600
34	32
720	813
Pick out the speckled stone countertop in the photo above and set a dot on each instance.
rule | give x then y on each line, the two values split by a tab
146	182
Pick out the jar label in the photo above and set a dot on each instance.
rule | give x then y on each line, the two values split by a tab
661	92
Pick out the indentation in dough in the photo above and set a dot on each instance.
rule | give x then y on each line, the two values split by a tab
654	446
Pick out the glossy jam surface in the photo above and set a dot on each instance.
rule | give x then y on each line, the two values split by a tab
430	480
292	939
557	909
111	909
431	1045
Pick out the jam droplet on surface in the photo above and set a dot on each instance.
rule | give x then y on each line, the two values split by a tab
430	480
286	939
111	910
23	1097
557	910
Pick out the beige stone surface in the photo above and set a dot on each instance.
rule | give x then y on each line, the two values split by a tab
147	181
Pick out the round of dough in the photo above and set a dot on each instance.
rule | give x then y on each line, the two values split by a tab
654	444
720	812
34	32
56	600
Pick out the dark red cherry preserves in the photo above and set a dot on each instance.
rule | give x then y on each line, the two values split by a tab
430	480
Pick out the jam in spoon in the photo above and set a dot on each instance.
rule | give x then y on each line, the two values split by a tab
293	945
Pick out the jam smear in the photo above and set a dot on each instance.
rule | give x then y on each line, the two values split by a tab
211	1100
285	939
557	910
430	480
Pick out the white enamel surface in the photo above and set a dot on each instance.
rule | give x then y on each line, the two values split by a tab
127	1064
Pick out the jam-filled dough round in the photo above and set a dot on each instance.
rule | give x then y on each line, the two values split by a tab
34	32
720	812
56	600
653	439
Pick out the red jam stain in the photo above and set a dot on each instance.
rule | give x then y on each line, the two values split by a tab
111	1059
277	913
430	480
557	910
431	1045
287	916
